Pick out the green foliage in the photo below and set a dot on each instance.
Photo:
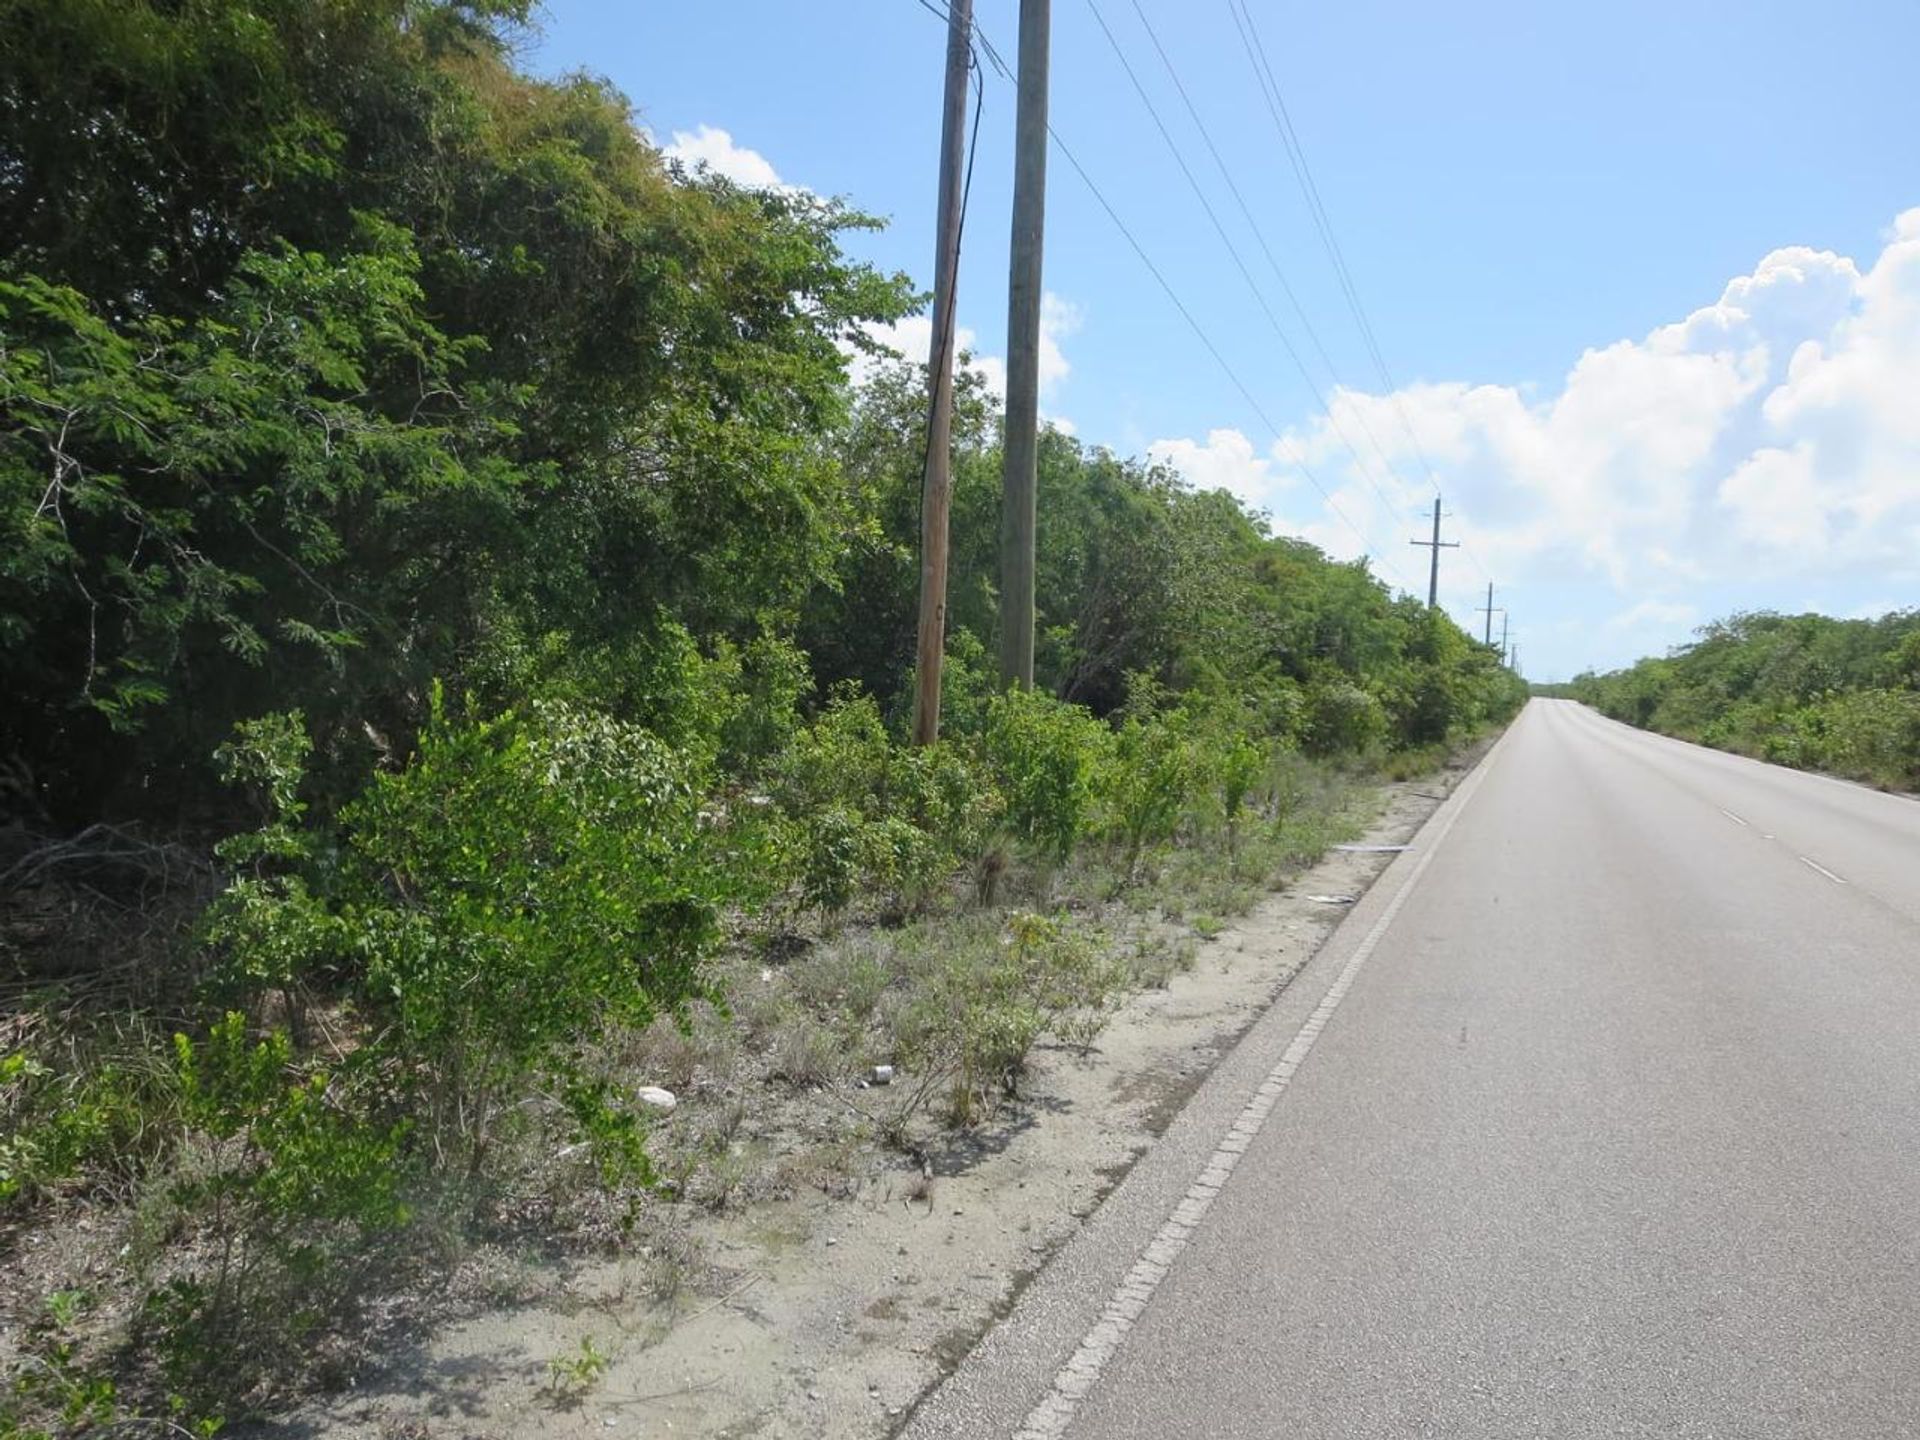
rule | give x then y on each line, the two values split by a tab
572	1375
1803	690
59	1386
985	1007
1048	758
525	881
1342	717
345	365
66	1128
206	480
299	1155
1236	762
1153	771
862	813
239	461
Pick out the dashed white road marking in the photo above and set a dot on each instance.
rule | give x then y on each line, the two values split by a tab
1733	817
1049	1419
1816	865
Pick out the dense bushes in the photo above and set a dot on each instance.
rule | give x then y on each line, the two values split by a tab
446	530
1805	690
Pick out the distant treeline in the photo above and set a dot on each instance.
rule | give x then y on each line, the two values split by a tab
1842	696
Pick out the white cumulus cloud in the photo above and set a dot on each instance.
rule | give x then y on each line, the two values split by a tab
1225	460
1781	417
911	338
709	147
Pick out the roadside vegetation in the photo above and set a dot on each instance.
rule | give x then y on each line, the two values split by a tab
1839	696
458	618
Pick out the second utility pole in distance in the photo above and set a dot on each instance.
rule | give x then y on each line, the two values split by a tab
1433	575
1021	443
1487	610
937	484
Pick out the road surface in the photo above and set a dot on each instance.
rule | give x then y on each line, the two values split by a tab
1599	1117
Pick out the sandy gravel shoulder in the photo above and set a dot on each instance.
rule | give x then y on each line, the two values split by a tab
825	1317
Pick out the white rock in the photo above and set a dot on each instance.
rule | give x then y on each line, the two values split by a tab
656	1097
883	1074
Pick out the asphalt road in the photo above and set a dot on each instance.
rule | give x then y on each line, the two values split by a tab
1603	1119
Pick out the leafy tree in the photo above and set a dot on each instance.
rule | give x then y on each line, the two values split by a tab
336	354
1807	690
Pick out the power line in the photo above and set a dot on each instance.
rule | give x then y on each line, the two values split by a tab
1299	461
944	16
1282	441
1239	263
1259	235
1256	51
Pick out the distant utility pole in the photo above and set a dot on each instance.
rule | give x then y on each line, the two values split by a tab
1516	659
1437	545
1503	637
937	484
1021	444
1488	609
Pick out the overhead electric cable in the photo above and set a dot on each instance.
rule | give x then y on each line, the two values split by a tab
1240	263
1290	450
1299	461
1259	235
1256	52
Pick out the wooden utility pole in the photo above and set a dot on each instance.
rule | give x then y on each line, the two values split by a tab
1021	442
936	489
1488	608
1437	544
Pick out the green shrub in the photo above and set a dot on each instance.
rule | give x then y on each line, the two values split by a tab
1872	735
67	1127
983	1005
773	677
945	795
525	882
286	1147
58	1389
864	814
1152	772
1048	757
1342	718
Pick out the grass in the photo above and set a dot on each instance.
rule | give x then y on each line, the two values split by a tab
772	1070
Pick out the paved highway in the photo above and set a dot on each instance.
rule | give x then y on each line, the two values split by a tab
1599	1117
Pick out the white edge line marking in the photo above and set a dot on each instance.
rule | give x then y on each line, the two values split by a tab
1049	1419
1816	865
1733	817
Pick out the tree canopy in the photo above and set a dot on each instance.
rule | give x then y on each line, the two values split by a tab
1806	690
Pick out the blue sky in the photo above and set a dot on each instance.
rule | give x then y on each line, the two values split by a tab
1646	276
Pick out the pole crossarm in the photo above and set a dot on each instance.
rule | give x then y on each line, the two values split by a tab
1436	544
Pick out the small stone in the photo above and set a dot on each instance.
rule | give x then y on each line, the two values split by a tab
655	1097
